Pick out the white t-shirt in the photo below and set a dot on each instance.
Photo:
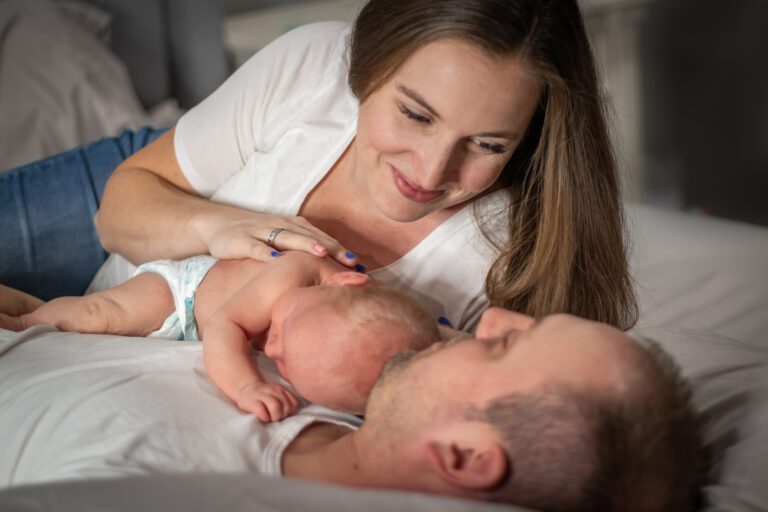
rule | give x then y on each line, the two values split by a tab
78	406
273	130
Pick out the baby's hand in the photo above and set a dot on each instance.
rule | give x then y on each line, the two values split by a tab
268	402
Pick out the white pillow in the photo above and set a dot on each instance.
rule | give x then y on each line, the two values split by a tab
730	387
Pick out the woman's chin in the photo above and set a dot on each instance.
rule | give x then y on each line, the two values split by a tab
401	209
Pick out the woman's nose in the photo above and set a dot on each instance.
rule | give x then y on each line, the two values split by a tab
497	322
437	165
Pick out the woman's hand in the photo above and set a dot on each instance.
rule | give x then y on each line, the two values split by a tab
259	236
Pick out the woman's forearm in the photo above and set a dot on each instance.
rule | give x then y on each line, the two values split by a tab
144	217
150	211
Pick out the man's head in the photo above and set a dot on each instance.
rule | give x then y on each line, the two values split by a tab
331	341
559	414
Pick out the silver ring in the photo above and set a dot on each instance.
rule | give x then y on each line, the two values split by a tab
272	235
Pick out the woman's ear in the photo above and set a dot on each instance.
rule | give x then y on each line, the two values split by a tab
349	278
470	463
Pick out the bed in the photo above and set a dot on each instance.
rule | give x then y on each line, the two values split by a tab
702	284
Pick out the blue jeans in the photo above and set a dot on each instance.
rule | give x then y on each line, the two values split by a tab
48	243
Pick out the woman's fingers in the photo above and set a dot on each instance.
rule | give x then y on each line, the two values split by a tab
313	241
261	236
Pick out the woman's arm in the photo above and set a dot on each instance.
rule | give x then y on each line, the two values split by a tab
150	211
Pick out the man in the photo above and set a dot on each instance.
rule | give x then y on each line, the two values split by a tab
556	414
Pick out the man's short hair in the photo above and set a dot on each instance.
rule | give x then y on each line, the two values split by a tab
573	449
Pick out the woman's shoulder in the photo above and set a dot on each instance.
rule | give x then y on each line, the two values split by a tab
321	32
308	48
289	74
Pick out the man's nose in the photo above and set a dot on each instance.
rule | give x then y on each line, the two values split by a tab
497	322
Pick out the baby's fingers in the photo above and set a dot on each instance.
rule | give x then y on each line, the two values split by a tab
260	411
278	408
290	401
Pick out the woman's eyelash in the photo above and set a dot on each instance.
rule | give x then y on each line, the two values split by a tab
493	148
487	146
410	114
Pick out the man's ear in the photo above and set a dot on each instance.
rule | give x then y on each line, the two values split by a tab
349	278
471	463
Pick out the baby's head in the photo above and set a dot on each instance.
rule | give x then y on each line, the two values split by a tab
331	341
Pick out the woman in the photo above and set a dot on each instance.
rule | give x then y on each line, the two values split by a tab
447	124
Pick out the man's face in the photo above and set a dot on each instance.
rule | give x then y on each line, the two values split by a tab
511	354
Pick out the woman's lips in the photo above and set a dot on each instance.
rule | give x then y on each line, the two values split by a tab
411	192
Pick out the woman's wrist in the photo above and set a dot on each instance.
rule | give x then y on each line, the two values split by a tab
201	226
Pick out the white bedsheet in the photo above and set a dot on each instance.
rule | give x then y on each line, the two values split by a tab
123	406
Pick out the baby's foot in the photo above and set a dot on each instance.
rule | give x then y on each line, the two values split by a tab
268	402
12	323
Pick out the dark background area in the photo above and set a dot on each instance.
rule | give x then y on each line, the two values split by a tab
704	82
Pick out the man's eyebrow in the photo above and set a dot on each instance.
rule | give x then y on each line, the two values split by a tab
418	98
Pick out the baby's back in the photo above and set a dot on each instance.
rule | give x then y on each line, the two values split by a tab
226	277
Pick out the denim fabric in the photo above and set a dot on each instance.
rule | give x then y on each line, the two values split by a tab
48	243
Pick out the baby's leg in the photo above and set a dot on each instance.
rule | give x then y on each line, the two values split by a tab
134	308
14	302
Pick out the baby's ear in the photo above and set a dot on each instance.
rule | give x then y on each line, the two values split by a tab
349	279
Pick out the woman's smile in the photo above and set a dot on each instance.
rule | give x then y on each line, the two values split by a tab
412	191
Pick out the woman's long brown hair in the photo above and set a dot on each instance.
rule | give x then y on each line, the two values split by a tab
564	248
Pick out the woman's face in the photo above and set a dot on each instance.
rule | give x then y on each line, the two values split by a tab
441	130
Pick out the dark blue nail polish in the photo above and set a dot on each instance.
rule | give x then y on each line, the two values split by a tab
361	268
444	321
274	254
350	255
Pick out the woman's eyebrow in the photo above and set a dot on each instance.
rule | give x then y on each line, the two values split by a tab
498	135
418	98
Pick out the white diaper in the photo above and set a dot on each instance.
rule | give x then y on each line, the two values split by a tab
183	278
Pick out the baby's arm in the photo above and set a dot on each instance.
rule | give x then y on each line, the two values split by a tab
228	363
245	315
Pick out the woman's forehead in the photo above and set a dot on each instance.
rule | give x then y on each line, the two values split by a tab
453	75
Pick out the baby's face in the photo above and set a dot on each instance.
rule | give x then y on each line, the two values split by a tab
316	350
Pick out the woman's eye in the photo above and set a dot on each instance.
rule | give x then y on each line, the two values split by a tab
492	148
410	114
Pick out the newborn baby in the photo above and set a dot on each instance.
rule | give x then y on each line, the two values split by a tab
328	329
